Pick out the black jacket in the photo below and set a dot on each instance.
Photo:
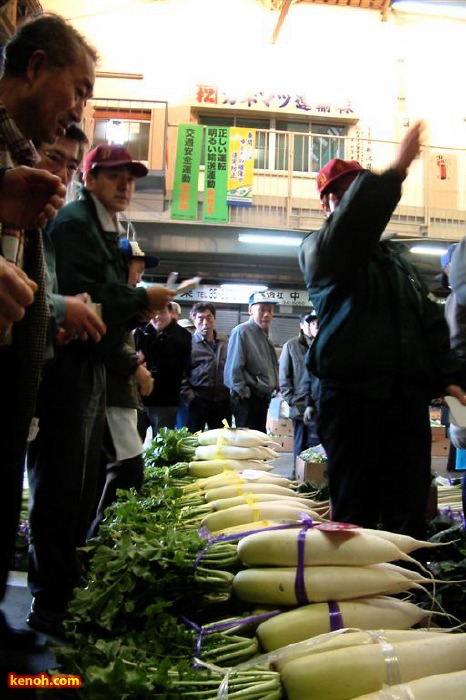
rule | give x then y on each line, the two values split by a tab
167	355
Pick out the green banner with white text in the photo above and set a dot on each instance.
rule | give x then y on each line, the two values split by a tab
188	160
215	207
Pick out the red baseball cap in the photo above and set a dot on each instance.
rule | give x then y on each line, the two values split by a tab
108	155
335	169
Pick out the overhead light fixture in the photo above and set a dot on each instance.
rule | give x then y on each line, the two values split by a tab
246	288
260	239
427	250
442	8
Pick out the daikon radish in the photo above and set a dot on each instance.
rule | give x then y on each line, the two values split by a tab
235	490
321	548
230	476
450	686
347	638
344	674
211	467
404	542
375	612
277	585
240	515
207	452
243	437
250	498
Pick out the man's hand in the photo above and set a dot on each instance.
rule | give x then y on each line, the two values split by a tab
30	197
158	296
457	392
145	380
309	414
409	148
81	321
16	293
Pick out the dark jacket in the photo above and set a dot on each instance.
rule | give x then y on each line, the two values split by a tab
294	375
380	333
205	372
122	387
88	260
167	356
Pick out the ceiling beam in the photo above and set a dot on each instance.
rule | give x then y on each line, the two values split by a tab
283	13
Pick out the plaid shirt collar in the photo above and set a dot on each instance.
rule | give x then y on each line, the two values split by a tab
21	150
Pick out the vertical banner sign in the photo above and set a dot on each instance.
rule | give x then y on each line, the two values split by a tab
188	160
241	166
216	174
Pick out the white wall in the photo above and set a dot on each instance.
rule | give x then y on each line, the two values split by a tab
404	68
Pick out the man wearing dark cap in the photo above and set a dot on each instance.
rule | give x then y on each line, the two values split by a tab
251	369
64	459
298	387
382	352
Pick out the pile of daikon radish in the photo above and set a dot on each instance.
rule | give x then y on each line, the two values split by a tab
312	581
241	488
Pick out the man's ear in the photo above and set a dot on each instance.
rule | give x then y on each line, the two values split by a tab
324	205
38	61
89	179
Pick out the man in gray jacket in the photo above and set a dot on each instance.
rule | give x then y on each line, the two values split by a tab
251	370
296	386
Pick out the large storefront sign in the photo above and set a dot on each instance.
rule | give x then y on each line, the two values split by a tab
188	160
221	295
288	102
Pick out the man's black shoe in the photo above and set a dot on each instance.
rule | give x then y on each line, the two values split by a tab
48	622
13	638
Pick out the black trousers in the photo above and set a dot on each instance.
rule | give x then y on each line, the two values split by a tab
63	472
202	412
379	460
304	436
251	412
114	475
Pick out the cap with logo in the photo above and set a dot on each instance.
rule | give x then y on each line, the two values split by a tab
260	298
132	251
309	317
335	169
112	156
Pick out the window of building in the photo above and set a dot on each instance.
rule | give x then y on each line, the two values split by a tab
130	129
284	145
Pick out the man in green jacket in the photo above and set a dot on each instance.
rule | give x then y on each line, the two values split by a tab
64	459
382	351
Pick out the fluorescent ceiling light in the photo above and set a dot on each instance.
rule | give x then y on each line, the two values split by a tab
244	287
427	250
261	239
442	8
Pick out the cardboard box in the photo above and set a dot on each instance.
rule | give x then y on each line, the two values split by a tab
278	408
282	443
279	426
311	471
440	441
439	432
440	448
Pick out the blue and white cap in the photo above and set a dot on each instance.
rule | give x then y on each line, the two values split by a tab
261	298
132	251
